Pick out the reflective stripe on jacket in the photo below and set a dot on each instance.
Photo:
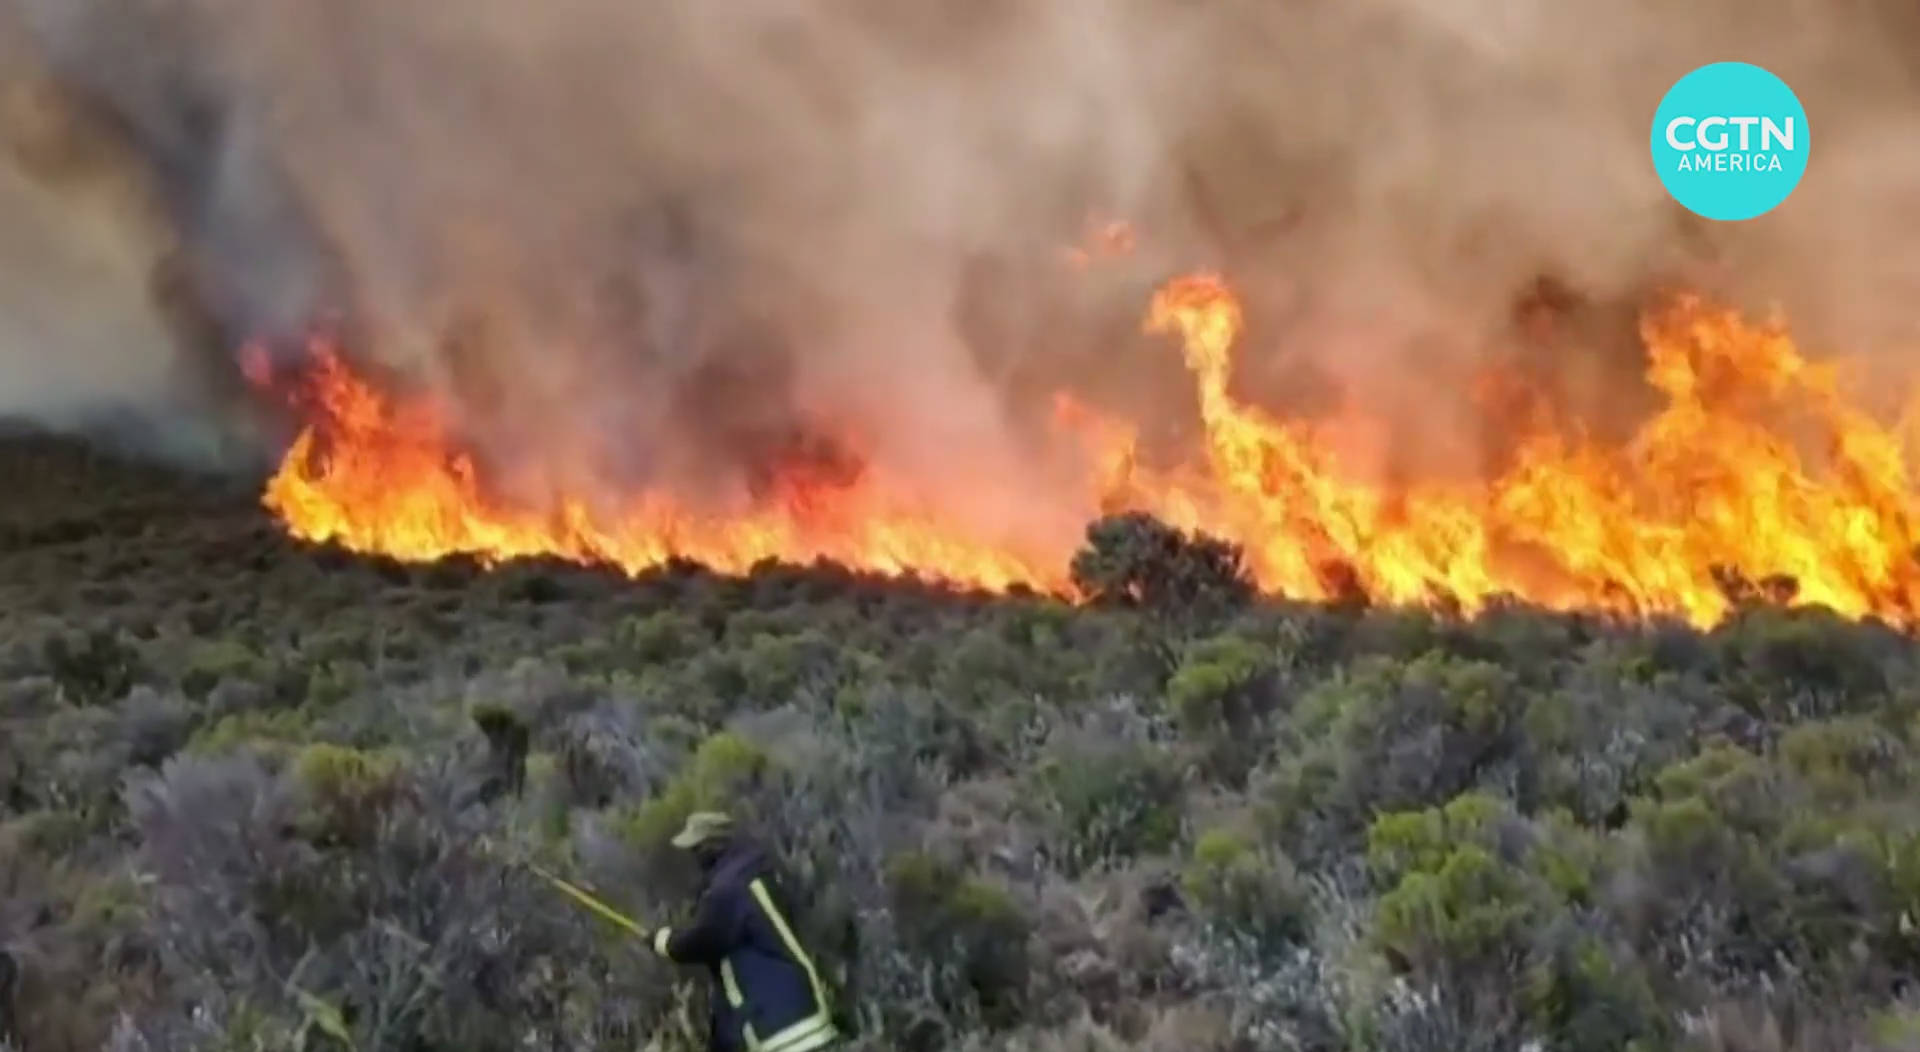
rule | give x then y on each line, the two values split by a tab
770	997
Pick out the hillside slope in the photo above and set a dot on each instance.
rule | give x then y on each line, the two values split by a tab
245	785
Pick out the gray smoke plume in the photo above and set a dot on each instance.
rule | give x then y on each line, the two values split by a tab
651	243
79	244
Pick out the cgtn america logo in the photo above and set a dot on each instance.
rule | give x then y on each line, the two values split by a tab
1706	145
1730	141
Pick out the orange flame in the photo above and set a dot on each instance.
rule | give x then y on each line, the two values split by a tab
1709	498
1704	496
381	476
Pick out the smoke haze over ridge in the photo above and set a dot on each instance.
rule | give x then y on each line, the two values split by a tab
658	234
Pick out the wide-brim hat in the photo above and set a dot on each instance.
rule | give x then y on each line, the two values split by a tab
701	827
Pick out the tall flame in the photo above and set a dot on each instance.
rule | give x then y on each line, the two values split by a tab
1708	499
1705	496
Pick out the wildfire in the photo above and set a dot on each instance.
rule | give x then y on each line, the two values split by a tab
1708	499
382	475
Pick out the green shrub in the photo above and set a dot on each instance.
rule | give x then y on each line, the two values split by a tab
1738	788
1245	890
774	669
1039	625
1211	686
1599	735
660	638
1458	901
716	677
1806	663
345	790
508	739
719	773
344	773
1590	998
1712	869
1473	912
1385	737
587	658
221	659
551	810
1848	761
1220	695
52	834
107	905
1571	859
1398	634
1405	842
744	626
1111	801
968	923
331	682
1526	641
1895	1028
99	666
984	668
1683	829
271	730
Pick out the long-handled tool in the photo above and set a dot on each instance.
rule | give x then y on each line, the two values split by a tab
571	890
590	901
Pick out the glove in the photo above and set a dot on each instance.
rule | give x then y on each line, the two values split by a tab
660	937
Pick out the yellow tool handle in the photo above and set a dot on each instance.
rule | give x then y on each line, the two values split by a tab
587	899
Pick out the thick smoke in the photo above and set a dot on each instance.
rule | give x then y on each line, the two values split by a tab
87	317
657	242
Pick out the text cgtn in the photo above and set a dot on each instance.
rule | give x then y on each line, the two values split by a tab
1719	164
1712	134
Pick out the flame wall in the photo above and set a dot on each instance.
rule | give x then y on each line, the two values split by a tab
656	247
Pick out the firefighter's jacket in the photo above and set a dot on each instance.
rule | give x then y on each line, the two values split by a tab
769	997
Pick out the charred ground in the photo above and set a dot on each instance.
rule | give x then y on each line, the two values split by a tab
246	784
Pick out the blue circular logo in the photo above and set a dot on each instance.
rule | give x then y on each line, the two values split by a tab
1730	141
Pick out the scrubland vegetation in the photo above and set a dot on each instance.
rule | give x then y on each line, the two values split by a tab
259	796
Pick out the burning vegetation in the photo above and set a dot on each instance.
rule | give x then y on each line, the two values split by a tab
1757	477
751	285
761	344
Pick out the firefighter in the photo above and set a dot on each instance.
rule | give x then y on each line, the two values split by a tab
767	994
